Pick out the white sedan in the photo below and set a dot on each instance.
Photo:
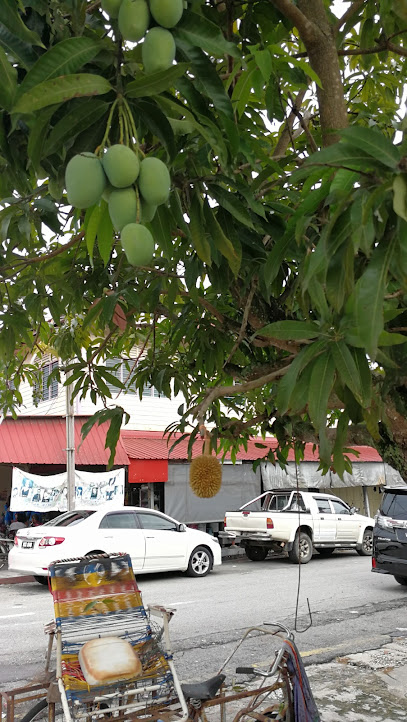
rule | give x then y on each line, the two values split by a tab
155	542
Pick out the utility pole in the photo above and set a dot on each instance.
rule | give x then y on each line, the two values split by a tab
70	447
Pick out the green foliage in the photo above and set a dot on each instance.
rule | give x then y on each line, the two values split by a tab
277	292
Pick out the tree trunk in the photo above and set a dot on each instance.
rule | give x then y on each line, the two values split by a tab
323	58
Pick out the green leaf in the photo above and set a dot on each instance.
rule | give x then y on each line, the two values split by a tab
64	58
157	122
207	80
286	387
290	330
264	62
196	227
364	374
38	135
16	48
58	90
347	368
8	84
374	144
366	301
162	230
221	242
105	234
322	379
92	226
231	203
201	33
342	155
391	339
340	441
243	89
82	115
11	19
156	82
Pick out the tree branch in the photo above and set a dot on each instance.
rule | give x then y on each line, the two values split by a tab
218	392
305	27
286	135
355	6
242	330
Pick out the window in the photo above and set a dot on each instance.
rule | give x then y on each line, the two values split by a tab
340	507
324	506
394	504
69	518
153	521
45	391
120	369
122	520
149	391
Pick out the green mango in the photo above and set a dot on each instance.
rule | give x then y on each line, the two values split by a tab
121	165
158	50
138	244
85	180
123	207
134	18
167	13
154	181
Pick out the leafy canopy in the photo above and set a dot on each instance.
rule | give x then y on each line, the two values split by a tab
276	301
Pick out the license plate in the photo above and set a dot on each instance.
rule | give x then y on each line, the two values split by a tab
27	544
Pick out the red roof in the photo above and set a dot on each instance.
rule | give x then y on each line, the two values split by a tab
42	440
153	445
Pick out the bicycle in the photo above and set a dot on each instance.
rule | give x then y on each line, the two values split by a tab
288	698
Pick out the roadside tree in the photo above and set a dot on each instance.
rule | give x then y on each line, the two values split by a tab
269	284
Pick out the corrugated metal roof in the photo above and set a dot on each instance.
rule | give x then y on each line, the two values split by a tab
42	440
152	445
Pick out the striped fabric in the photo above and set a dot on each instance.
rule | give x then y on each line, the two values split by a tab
98	597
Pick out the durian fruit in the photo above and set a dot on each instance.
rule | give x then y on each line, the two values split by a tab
205	473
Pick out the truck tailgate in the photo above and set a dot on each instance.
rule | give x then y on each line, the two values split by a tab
248	521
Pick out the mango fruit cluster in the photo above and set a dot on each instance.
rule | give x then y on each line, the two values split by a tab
134	18
132	189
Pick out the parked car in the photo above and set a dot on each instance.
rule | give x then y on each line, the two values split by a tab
298	523
155	542
390	535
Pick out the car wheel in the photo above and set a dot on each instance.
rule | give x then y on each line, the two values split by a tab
301	553
326	551
256	554
401	580
200	562
41	580
366	549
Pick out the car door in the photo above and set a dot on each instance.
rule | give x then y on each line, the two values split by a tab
347	524
119	531
325	523
165	544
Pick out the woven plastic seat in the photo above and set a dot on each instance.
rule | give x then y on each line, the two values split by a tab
97	597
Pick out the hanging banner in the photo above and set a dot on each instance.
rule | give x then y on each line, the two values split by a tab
31	492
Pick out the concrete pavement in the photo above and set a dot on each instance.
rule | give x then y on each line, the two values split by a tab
369	686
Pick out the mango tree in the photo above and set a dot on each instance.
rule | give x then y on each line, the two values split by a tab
222	184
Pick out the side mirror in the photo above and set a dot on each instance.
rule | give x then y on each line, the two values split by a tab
182	527
354	510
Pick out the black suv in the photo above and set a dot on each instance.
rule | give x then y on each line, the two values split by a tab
390	535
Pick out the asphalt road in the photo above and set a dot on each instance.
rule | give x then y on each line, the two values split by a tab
352	610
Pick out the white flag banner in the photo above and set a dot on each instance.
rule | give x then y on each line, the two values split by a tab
31	492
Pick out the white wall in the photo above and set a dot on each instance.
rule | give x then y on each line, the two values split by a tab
148	414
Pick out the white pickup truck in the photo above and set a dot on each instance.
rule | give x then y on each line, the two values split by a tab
298	522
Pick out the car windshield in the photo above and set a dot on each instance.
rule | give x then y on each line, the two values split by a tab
394	504
69	518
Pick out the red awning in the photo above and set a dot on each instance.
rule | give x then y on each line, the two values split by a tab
153	445
42	440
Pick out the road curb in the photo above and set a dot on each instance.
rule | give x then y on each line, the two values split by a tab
17	580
